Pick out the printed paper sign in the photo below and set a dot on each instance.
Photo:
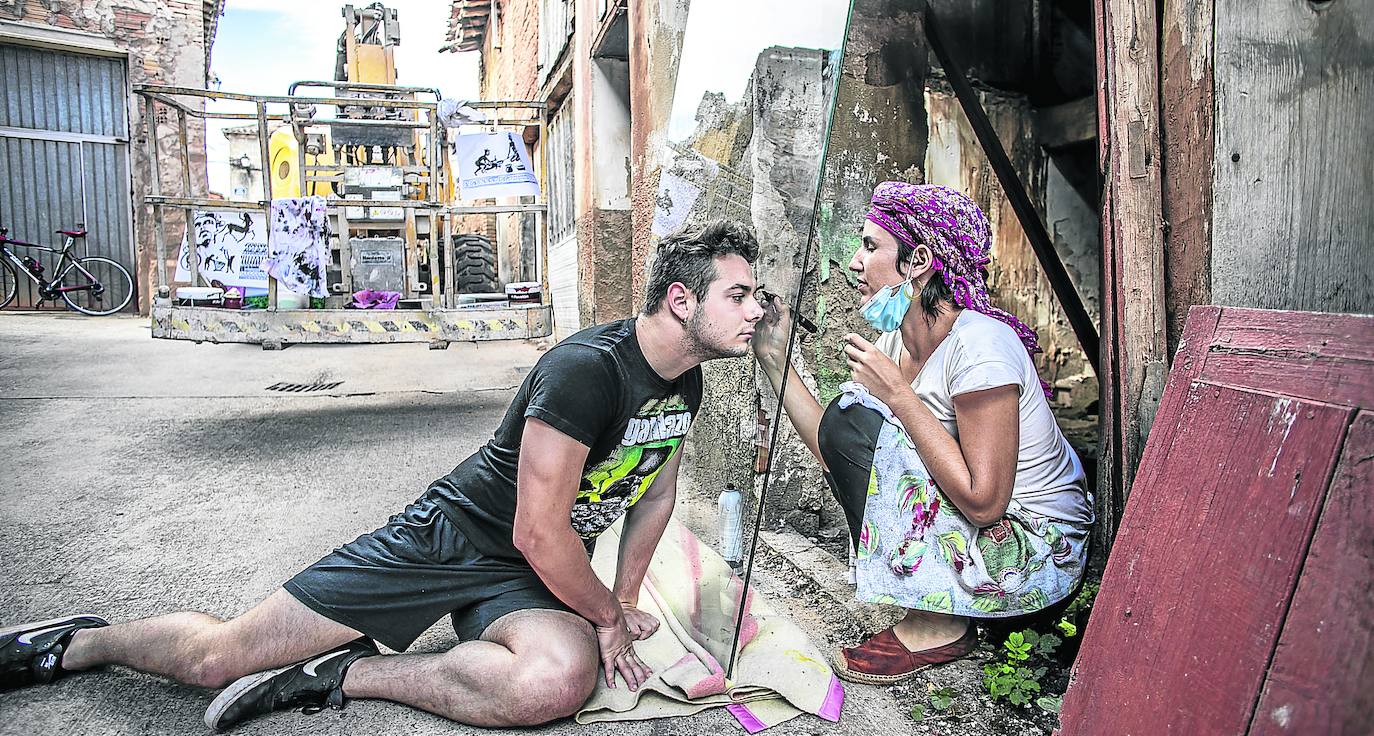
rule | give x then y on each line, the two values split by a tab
232	247
494	165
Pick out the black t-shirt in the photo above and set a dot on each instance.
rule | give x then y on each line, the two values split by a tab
597	388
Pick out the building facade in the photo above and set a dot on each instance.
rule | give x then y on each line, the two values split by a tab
71	128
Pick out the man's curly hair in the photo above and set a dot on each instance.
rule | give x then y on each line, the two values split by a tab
689	258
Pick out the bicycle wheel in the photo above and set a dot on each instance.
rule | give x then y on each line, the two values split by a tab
111	286
9	283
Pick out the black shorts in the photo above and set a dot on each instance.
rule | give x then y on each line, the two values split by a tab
395	582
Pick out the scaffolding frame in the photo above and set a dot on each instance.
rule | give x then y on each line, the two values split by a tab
440	318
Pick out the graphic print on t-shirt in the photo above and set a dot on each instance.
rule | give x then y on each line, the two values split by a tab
616	483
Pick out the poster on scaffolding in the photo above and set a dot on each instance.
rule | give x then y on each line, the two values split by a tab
232	246
494	165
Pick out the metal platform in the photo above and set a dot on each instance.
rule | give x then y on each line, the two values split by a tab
274	329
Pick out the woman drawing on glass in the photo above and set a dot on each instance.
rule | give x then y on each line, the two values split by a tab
963	498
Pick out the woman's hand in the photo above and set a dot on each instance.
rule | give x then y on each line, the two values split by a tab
770	334
871	367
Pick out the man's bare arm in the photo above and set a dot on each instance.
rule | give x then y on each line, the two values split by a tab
644	525
546	488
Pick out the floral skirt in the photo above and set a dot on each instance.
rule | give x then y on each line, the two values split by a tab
916	550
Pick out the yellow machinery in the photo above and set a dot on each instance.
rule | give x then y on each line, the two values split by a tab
284	167
376	151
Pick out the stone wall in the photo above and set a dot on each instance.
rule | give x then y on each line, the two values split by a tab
167	43
876	134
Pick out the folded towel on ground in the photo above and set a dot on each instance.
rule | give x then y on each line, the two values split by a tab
779	674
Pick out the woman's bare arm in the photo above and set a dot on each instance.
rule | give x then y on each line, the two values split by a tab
770	345
975	472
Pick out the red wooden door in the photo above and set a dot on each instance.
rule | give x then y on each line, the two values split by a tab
1238	595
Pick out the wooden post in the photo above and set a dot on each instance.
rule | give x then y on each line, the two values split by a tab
1133	242
1291	222
188	215
1185	91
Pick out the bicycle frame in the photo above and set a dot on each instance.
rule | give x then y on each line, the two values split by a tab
65	263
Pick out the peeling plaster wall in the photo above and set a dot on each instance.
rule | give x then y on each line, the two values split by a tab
604	230
765	156
877	133
166	43
611	125
510	52
656	30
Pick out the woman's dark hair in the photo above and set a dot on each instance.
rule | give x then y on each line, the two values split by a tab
689	258
934	294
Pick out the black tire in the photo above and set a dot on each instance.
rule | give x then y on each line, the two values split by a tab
117	287
474	265
9	283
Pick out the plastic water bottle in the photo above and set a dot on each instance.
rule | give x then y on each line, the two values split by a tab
730	505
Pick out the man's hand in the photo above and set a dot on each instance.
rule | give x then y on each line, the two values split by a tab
641	625
618	655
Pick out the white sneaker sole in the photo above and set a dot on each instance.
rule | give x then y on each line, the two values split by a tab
236	688
36	625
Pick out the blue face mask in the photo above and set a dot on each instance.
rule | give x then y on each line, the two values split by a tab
888	307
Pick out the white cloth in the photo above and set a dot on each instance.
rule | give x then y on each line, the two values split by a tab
982	353
852	392
454	113
300	245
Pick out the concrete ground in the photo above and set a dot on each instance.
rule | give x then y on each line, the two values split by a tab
140	477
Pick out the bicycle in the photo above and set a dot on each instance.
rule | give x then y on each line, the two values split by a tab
98	287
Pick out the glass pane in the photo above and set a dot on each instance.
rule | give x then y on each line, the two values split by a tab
745	141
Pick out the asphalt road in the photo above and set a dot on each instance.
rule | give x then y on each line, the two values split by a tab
140	477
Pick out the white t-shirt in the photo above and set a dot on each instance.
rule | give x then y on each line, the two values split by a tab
980	353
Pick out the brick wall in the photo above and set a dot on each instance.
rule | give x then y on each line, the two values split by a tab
510	53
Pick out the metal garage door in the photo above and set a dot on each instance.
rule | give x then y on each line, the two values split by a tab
64	154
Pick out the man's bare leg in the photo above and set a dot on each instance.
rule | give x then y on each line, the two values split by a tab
199	649
529	667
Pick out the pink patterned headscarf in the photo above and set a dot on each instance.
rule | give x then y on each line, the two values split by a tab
957	233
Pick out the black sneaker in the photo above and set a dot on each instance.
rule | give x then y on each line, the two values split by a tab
311	685
31	654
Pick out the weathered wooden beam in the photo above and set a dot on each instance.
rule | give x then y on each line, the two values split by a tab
1066	124
1133	233
1185	96
1110	495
